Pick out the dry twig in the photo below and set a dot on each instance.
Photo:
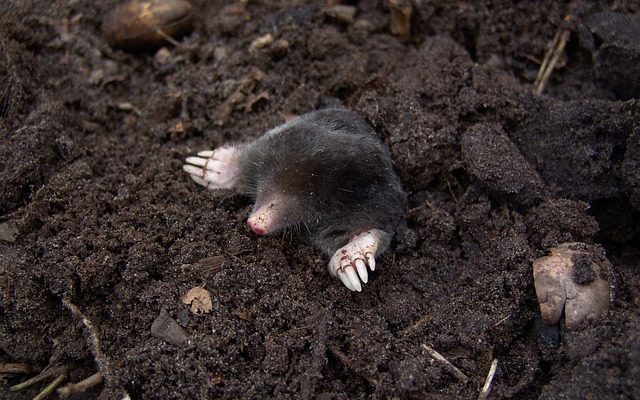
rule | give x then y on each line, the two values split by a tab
553	55
484	393
81	386
15	368
450	367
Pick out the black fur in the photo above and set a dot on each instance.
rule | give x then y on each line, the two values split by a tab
335	177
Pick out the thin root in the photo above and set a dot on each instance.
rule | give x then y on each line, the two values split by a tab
43	376
167	37
101	360
51	387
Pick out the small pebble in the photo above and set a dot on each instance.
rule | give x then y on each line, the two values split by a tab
8	231
344	14
261	42
401	11
558	292
166	328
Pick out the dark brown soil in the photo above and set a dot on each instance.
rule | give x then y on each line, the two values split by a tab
92	140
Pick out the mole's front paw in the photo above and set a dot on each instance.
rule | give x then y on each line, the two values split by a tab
350	262
215	169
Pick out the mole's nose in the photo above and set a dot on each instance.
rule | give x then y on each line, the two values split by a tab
263	218
257	226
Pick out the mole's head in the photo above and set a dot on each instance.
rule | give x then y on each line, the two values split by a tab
296	196
310	178
275	211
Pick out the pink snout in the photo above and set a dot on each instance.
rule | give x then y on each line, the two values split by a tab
263	219
257	226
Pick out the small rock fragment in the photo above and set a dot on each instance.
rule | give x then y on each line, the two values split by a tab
147	24
401	11
344	14
261	42
127	106
162	57
96	76
8	231
166	328
200	300
571	278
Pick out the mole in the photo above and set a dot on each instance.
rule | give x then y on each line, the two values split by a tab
325	174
